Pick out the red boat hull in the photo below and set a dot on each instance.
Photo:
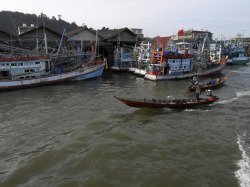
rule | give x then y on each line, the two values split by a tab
205	86
152	103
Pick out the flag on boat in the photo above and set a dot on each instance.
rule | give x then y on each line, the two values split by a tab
106	63
180	32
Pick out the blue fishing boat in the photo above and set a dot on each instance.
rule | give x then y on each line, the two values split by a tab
29	69
123	58
237	54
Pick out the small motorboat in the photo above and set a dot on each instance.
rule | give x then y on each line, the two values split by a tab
218	82
164	103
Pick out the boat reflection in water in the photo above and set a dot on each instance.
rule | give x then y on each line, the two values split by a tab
163	103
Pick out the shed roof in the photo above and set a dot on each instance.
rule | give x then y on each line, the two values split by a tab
108	34
46	28
5	32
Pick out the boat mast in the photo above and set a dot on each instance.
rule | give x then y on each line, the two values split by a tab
96	42
59	47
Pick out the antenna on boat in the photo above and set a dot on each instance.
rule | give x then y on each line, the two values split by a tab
96	42
46	45
16	31
45	38
37	47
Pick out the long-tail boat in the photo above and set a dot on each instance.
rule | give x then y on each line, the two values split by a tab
164	103
204	86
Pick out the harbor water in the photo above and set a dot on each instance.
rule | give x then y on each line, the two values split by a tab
78	134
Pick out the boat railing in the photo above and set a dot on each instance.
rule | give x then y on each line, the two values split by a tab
169	101
29	58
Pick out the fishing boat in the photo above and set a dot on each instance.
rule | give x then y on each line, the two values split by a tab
143	54
218	82
181	66
28	70
123	58
164	103
237	57
152	54
236	53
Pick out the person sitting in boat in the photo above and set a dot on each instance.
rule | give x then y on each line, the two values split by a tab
211	82
209	92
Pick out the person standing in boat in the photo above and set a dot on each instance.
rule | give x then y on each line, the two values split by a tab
197	92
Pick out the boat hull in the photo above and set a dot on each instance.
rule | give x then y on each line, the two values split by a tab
238	61
132	69
78	74
222	81
140	71
204	73
116	68
97	72
152	103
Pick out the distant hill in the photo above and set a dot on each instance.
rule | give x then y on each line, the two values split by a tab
9	22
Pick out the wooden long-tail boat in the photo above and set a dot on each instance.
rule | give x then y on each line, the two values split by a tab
164	103
204	86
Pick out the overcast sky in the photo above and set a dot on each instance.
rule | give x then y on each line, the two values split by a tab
224	18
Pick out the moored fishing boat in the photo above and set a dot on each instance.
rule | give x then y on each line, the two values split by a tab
27	70
236	53
218	82
164	103
34	76
123	58
181	66
200	73
143	54
237	58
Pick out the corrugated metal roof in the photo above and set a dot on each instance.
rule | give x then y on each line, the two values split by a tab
162	40
110	33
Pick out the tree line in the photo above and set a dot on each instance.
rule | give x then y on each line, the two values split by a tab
10	21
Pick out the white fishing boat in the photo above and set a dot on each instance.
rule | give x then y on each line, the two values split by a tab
28	69
143	54
27	72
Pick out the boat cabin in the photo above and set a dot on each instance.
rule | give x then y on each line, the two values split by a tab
123	57
24	67
183	47
172	66
179	66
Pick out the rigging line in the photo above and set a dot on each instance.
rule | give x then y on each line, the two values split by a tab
16	31
44	32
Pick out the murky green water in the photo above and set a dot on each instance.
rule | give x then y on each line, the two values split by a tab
78	134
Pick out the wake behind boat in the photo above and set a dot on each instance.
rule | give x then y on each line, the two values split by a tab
163	103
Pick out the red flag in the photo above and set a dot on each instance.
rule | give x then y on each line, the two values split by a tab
180	32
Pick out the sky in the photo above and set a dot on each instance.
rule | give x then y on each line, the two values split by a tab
224	18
